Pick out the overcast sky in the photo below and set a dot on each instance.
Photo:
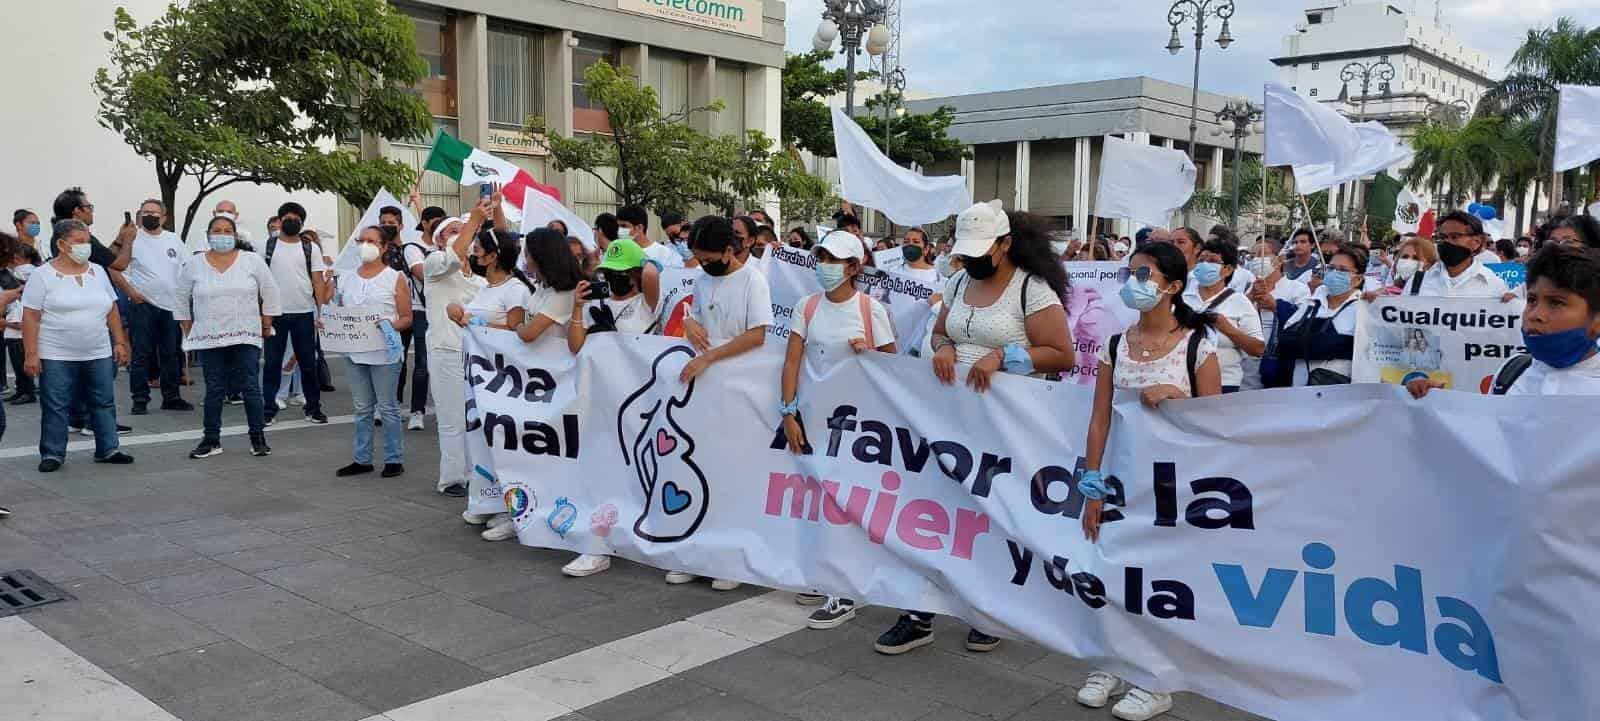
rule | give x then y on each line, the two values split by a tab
961	46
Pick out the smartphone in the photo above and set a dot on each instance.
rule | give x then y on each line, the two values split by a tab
127	217
598	290
485	190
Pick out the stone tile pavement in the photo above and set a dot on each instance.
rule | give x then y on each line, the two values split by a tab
240	588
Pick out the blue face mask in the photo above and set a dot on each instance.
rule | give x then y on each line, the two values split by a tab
1336	281
830	275
1559	350
1207	274
1139	296
33	230
221	243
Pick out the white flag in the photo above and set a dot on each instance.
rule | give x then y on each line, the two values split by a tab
868	178
539	209
350	257
1577	126
1302	131
1143	182
1379	151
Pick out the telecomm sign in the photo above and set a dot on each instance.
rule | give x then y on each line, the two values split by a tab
734	16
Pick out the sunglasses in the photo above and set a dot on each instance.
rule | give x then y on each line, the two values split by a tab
1142	273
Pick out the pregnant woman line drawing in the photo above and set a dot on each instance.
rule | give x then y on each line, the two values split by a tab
660	451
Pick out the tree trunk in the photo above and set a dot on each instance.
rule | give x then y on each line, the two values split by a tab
1555	193
168	178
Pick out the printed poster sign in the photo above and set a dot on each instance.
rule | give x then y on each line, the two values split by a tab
1460	342
1094	313
1514	274
351	329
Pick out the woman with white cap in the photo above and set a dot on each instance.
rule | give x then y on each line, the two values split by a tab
449	281
1002	312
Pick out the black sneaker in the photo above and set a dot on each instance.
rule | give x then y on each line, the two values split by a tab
377	422
836	613
981	642
206	449
908	633
390	470
179	404
317	418
354	469
454	490
22	399
49	465
117	458
141	408
232	400
122	430
327	388
266	421
258	445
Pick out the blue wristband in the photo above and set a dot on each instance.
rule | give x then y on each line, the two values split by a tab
1092	485
792	408
1016	360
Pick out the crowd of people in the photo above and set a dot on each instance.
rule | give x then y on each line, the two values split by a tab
1215	315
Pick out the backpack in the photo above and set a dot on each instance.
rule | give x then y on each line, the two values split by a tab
1509	373
305	247
1416	284
1190	352
866	312
397	260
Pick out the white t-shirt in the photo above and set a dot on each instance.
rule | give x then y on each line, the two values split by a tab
157	261
1171	369
731	304
981	331
1488	256
928	276
553	304
227	306
289	272
663	254
493	301
445	285
1540	379
73	308
14	311
1344	322
1238	309
632	315
829	332
414	257
376	291
1477	281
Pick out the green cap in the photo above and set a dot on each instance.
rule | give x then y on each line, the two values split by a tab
623	254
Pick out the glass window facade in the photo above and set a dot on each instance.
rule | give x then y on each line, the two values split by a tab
516	70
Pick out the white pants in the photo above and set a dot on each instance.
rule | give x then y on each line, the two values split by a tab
446	382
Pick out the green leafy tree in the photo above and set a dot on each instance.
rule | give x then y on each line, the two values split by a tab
1458	158
807	84
231	91
1564	54
1258	194
920	138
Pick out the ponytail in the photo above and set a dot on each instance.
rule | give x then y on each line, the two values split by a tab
519	275
1190	318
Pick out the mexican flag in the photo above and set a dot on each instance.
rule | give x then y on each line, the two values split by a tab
470	166
1389	198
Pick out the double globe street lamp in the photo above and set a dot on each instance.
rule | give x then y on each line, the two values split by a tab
856	24
1199	11
1381	71
1244	117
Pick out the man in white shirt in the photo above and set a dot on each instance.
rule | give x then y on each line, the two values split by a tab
156	258
1459	273
1271	286
297	266
634	221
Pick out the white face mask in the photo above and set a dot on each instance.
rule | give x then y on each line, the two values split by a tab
369	252
945	268
1121	247
81	251
1261	267
1406	267
1522	251
1059	247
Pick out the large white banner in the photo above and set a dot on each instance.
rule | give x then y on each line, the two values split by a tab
1461	342
1306	554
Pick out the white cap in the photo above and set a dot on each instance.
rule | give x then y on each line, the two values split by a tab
841	245
977	228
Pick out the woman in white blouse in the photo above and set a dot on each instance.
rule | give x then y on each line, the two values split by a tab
449	282
73	341
226	300
375	374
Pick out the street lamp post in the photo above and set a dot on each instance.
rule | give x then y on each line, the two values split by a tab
857	24
1453	111
894	83
1198	10
1245	119
1381	70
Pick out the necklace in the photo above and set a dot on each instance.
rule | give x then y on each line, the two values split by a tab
1144	348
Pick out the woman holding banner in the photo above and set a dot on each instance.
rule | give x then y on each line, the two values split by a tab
1002	313
375	374
1168	354
832	325
1318	340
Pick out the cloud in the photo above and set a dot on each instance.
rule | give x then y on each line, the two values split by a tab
961	46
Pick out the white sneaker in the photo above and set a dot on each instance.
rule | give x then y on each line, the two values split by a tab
587	564
281	403
722	584
476	519
1142	705
1099	688
297	400
418	422
499	519
86	431
503	532
677	577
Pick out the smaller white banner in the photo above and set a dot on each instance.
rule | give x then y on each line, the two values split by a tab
351	329
1461	342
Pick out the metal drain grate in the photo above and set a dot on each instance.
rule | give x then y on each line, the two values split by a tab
22	589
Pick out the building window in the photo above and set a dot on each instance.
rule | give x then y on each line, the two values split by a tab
588	116
730	90
1314	18
1316	66
669	75
436	44
516	65
1313	92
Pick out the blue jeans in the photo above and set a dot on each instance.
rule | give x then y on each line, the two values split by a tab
155	335
372	387
92	381
299	329
419	381
232	369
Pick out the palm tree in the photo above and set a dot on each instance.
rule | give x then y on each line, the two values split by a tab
1567	54
1458	158
1519	168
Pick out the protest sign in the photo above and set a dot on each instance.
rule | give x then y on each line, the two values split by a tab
792	276
351	330
1231	562
1460	342
1514	274
1094	313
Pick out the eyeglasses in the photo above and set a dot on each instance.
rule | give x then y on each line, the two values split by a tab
1142	273
1453	237
88	206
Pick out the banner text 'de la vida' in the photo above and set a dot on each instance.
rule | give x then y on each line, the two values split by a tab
918	496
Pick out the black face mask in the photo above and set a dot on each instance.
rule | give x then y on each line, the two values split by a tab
291	226
758	251
150	222
477	268
714	268
912	253
981	267
1453	255
621	283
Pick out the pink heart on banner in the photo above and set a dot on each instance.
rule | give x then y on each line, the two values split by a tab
664	442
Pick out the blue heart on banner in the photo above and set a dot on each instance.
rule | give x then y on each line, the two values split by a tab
673	500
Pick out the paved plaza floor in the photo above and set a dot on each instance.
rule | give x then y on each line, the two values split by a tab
240	588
